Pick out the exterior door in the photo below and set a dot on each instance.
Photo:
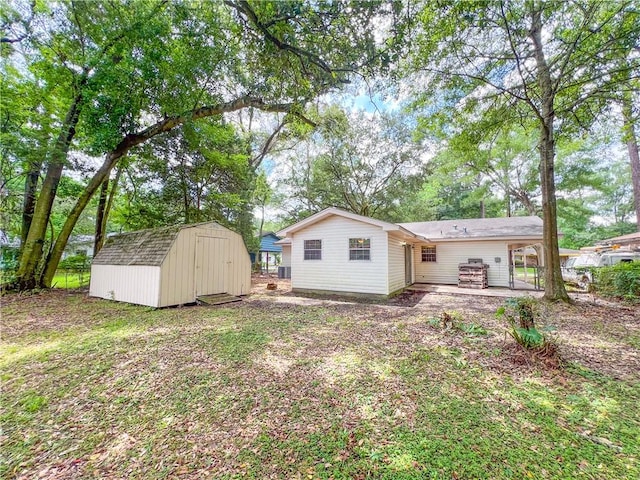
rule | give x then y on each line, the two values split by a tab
408	253
212	268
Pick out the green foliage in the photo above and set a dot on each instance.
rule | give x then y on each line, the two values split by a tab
619	281
197	172
8	264
366	164
520	314
75	263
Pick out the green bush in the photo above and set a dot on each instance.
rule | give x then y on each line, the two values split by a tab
619	281
75	263
8	264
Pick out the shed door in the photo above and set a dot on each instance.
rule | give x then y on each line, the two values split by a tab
212	268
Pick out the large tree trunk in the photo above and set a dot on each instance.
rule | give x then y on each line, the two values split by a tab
98	238
32	248
632	146
107	210
127	143
554	289
104	208
98	179
29	198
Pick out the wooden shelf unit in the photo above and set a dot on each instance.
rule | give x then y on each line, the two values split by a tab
473	275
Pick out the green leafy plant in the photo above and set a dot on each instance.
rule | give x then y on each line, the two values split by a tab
520	313
472	329
454	321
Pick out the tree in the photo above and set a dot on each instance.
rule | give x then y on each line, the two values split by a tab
262	195
131	73
548	62
359	162
630	137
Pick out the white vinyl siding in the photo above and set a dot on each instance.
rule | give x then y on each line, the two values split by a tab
286	256
335	272
445	269
396	264
126	283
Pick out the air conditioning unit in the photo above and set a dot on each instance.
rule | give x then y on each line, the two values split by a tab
284	272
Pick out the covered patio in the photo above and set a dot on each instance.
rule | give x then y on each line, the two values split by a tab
522	289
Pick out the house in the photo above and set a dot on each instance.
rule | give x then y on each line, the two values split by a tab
79	245
630	241
339	251
270	251
171	265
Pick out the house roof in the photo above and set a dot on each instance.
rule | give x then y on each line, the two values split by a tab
144	247
622	239
328	212
478	228
268	242
441	230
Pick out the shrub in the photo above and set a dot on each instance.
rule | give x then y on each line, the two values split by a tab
619	281
76	263
520	313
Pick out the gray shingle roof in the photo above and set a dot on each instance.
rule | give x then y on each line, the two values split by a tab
477	228
144	247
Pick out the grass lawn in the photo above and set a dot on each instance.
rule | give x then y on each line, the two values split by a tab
63	279
282	387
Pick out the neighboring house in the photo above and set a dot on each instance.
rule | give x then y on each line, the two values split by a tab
270	251
630	241
79	245
171	265
338	251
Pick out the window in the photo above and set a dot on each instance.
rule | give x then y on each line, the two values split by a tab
359	249
429	253
313	249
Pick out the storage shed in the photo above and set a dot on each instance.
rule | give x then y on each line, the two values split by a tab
171	265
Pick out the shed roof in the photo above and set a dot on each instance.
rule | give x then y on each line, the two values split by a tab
144	247
475	228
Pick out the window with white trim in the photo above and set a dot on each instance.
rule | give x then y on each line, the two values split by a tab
428	253
359	249
313	249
